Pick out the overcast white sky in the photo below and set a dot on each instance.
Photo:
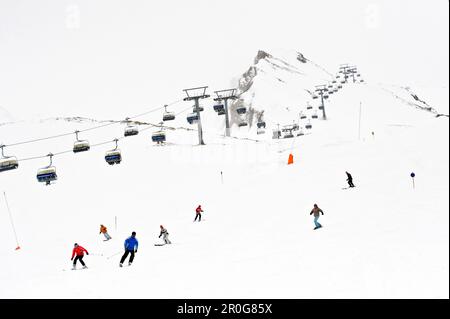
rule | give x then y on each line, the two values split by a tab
111	58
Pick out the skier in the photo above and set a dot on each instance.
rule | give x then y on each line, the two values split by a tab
131	246
104	230
165	235
349	179
198	211
79	251
316	211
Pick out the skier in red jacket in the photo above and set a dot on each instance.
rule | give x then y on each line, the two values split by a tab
198	211
79	251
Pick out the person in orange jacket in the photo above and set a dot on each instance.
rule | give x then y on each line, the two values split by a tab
198	210
104	231
79	252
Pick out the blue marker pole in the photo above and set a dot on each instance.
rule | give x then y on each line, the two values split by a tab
412	176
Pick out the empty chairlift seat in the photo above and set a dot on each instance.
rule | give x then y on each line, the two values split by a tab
47	175
81	146
8	163
113	157
192	118
314	116
308	126
159	136
168	116
130	131
260	131
241	110
288	135
243	123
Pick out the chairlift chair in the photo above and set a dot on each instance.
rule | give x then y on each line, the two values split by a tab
8	163
303	116
81	146
308	126
261	124
260	131
113	157
315	116
200	108
276	134
168	116
321	107
222	112
243	123
47	175
309	107
325	96
241	110
315	96
288	135
159	137
219	107
192	118
131	130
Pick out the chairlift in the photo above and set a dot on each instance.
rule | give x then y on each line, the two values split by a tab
200	109
315	96
309	107
315	116
168	116
192	118
80	145
219	107
325	96
8	162
261	124
303	116
321	107
334	82
339	86
159	136
113	156
222	112
358	75
241	109
243	123
47	174
130	130
300	133
288	135
260	131
361	80
308	126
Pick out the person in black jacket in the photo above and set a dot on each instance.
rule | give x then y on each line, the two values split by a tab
349	179
165	235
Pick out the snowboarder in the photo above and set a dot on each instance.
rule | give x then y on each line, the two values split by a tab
198	211
104	230
131	246
79	252
165	235
316	211
349	179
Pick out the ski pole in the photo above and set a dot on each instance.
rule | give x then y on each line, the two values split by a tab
12	223
114	255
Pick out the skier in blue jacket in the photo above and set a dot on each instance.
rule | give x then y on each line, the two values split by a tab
131	246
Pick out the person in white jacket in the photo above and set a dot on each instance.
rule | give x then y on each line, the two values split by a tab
165	235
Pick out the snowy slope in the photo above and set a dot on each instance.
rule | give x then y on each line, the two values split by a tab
383	239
